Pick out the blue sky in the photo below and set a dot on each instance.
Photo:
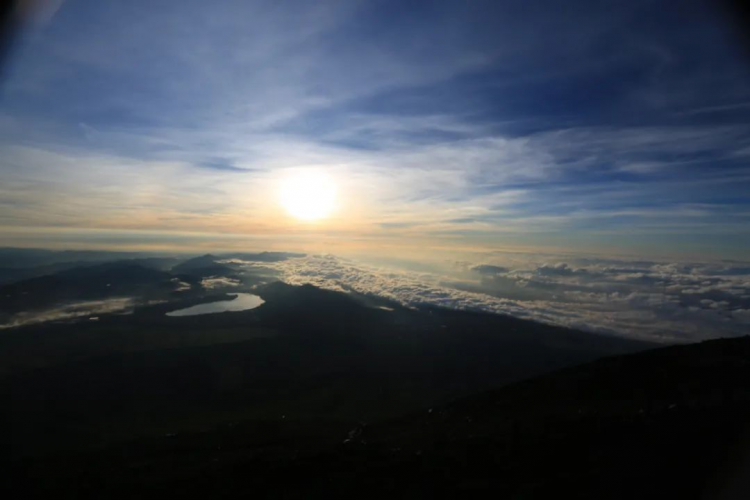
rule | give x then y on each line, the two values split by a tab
615	127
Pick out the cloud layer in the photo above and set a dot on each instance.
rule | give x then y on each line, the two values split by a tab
667	302
71	311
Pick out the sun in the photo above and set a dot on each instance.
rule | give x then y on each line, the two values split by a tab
308	196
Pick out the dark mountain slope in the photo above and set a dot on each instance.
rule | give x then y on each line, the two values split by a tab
667	423
305	353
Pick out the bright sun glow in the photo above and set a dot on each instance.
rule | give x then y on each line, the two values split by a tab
308	196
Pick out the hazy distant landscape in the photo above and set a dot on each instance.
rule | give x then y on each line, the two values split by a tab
655	301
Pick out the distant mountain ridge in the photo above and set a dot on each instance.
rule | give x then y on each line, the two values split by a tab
17	258
88	282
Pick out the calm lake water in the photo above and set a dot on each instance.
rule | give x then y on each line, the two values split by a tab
242	302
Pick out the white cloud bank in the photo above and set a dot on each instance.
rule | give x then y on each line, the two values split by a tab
214	282
71	311
664	302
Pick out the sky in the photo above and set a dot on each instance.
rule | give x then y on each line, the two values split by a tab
614	128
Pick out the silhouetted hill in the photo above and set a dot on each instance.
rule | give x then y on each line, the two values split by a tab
202	267
158	263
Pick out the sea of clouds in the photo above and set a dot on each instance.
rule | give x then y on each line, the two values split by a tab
661	301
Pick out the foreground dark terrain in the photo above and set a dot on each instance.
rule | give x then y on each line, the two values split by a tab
318	393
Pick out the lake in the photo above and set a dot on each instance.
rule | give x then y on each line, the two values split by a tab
242	302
